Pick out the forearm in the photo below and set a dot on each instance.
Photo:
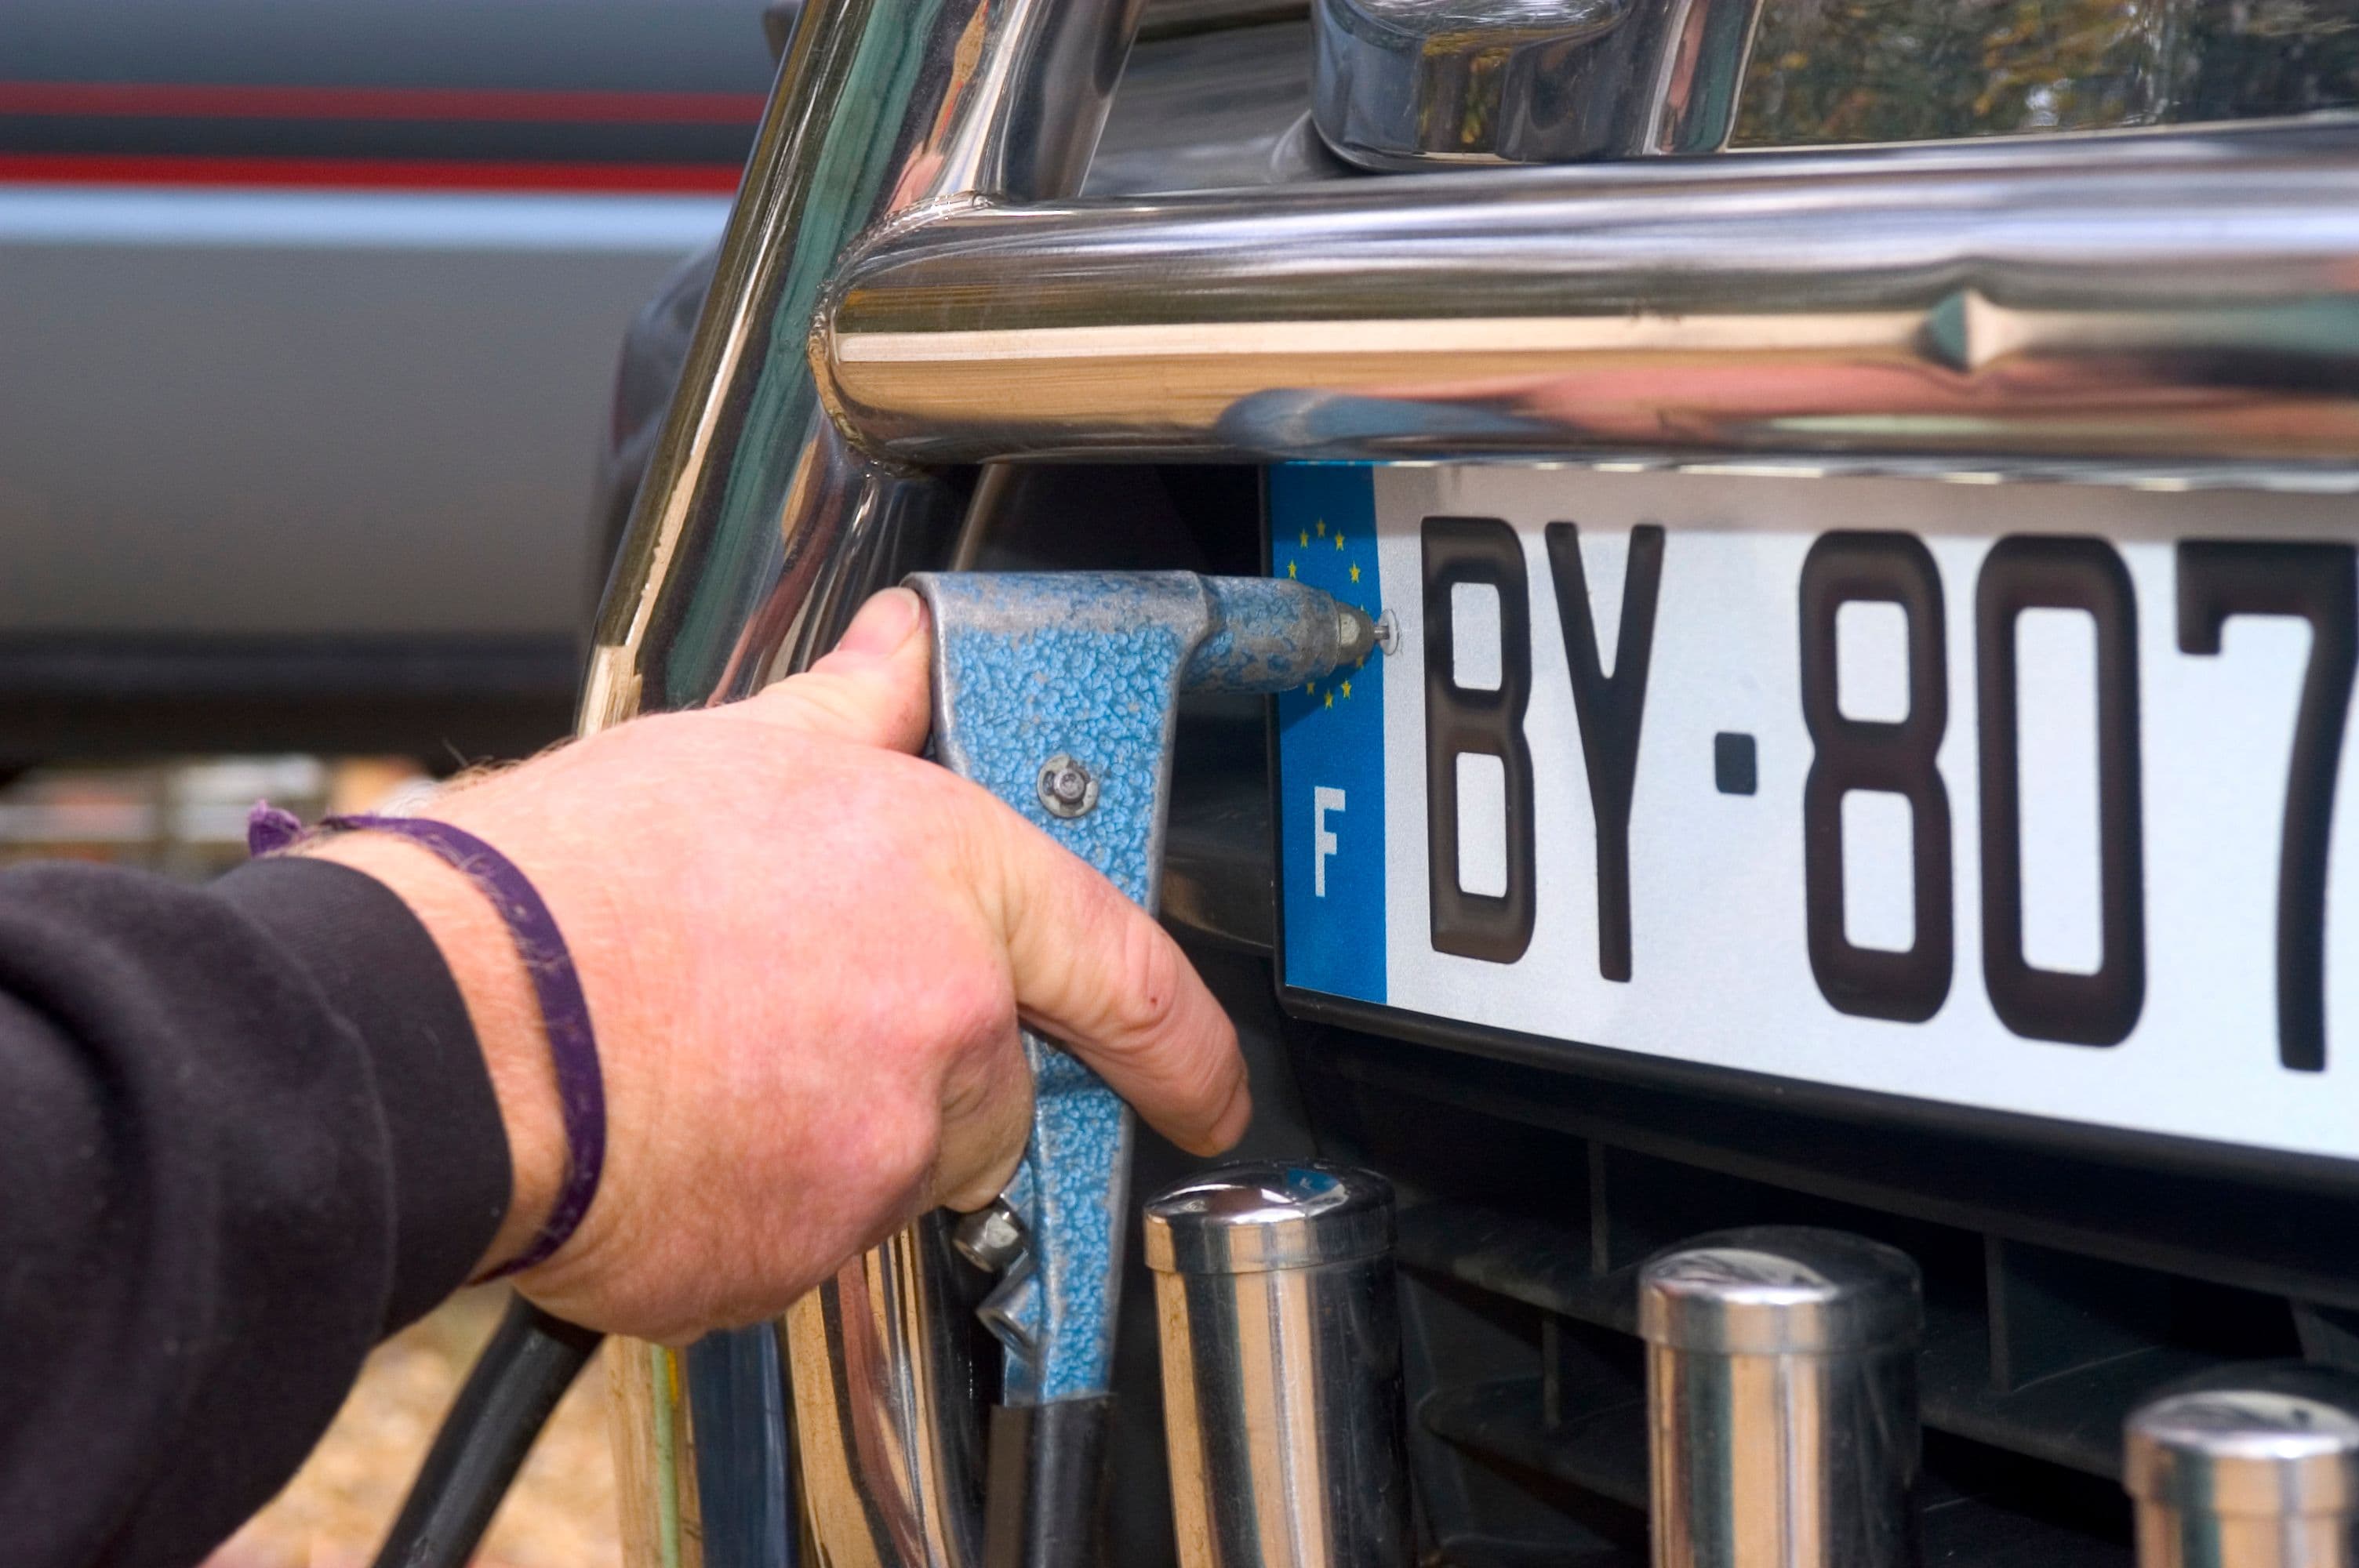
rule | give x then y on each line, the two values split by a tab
480	954
243	1132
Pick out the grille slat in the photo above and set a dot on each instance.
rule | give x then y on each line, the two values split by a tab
2071	1417
1520	1241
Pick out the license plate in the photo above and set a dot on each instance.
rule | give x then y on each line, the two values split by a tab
2018	796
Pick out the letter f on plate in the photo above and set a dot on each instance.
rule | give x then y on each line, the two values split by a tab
1323	843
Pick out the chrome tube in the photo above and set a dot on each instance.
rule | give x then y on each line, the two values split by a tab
886	1416
2258	1467
751	505
1782	1400
2177	298
1281	1368
757	532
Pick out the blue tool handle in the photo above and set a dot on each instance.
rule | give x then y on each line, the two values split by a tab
1070	1191
1058	692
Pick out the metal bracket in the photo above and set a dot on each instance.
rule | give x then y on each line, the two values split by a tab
1059	694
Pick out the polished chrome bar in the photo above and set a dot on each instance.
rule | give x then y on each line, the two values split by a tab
757	532
2256	1467
2180	297
753	511
1782	1400
890	1435
1281	1368
1175	18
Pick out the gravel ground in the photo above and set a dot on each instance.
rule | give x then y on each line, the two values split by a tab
333	1514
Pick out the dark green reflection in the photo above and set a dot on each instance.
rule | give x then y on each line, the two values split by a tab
1893	70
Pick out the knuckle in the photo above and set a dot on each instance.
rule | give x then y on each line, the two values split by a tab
826	700
884	1151
982	1015
985	1066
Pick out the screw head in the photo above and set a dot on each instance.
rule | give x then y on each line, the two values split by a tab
1068	788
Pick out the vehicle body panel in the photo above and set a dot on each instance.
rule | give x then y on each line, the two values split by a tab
312	315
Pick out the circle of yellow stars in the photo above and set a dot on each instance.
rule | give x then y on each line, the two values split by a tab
1344	686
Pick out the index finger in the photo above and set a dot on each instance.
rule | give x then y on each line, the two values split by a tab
1095	971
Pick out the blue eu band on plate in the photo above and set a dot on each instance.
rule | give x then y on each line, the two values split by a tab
2019	796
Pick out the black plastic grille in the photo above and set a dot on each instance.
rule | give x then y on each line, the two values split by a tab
1522	1232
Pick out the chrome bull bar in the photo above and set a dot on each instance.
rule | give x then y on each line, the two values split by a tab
901	286
2117	299
757	526
757	531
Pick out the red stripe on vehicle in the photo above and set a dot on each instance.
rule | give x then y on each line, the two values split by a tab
189	100
365	174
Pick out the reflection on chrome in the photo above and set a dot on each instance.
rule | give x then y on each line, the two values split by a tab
2187	296
1281	1368
2248	1467
885	1408
1403	83
752	510
1782	1400
1901	70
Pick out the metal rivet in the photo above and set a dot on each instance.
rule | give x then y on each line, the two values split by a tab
991	1238
1066	787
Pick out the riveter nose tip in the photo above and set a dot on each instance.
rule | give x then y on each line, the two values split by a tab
1355	634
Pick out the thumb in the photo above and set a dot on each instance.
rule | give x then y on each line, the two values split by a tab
871	689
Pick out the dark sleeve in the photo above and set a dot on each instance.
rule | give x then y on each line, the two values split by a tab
244	1132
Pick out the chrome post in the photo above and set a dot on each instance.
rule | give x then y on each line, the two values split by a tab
757	530
755	511
1281	1368
1782	1400
2260	1470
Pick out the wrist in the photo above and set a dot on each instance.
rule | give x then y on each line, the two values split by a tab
477	949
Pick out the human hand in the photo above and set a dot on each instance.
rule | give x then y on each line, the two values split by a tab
806	952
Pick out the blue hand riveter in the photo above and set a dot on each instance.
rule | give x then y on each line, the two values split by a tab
1058	692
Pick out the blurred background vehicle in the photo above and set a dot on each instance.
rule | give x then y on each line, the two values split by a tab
308	315
311	436
311	314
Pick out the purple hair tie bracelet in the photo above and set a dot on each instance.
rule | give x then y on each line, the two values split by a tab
564	1010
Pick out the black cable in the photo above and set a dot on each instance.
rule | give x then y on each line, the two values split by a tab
525	1369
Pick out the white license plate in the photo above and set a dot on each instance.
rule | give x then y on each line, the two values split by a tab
2029	797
